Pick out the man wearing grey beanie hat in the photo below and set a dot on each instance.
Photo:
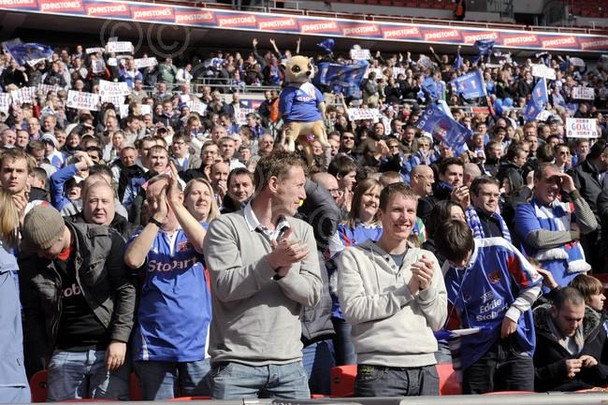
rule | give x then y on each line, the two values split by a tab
78	306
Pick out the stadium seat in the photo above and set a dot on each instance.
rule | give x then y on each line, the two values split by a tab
135	391
38	386
179	399
509	392
448	380
343	381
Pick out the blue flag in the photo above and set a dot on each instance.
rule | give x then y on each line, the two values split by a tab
327	45
26	52
484	46
470	85
537	101
343	79
444	128
458	62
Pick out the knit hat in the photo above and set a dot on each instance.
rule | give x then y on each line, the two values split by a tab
42	227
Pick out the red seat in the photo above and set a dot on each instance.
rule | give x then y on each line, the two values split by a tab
38	386
448	380
343	381
178	399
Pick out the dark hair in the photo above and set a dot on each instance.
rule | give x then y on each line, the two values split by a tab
277	163
540	170
514	150
445	163
569	294
597	149
454	240
239	171
481	181
101	169
362	187
341	165
441	213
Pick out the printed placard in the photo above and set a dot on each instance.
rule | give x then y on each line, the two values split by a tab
241	117
5	102
114	99
145	63
119	47
198	107
24	95
47	88
581	128
82	101
97	66
95	50
107	88
360	54
583	93
541	70
355	114
145	109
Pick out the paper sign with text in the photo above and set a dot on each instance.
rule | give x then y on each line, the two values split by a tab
581	128
83	101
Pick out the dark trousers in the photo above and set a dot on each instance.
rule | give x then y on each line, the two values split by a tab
378	381
505	367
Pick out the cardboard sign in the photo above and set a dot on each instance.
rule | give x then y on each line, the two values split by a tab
114	99
241	117
99	49
144	63
119	47
355	114
5	102
97	66
581	128
47	88
583	93
198	107
360	54
145	109
398	71
24	95
107	89
541	70
82	101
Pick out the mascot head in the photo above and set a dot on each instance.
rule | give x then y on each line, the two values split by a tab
299	69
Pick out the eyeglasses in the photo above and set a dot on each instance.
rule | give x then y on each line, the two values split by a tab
564	152
350	138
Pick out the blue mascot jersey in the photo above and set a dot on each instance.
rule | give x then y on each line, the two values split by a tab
300	103
174	310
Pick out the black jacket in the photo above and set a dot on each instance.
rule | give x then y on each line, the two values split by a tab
102	277
550	357
119	224
586	179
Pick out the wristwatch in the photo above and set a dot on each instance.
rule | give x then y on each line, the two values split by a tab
154	221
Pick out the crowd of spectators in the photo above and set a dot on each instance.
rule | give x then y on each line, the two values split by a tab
177	187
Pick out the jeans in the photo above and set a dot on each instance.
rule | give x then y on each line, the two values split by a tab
343	343
158	378
502	368
78	375
230	380
318	360
378	381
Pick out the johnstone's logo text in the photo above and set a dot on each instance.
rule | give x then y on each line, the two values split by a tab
17	3
441	35
594	44
523	39
406	32
154	265
154	13
102	10
188	18
473	38
328	26
61	5
559	42
272	24
362	30
228	22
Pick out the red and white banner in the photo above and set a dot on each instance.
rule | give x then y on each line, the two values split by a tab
55	6
107	10
401	33
236	21
152	13
320	27
278	24
194	17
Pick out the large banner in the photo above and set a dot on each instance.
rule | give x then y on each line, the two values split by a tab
303	25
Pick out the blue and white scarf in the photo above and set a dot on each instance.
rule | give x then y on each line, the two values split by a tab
557	217
475	224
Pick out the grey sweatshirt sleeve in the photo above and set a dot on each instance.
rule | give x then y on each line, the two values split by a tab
545	239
